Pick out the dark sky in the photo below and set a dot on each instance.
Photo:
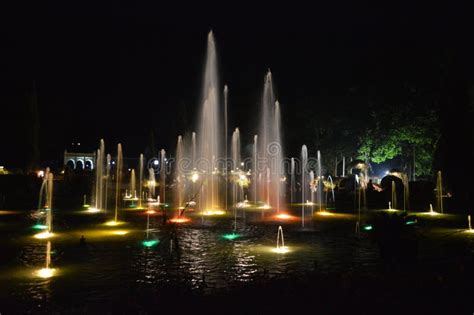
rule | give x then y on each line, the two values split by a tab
116	71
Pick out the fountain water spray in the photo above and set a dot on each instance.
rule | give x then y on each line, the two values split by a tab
163	176
151	184
107	179
140	180
47	186
179	175
226	168
439	192
304	163
280	247
209	130
118	180
292	179
47	272
255	169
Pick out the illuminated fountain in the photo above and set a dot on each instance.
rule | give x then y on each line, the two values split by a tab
331	187
304	184
140	180
151	185
237	192
163	176
47	271
439	192
209	131
270	151
118	180
47	187
312	189
470	230
107	180
180	177
99	178
255	169
292	180
280	247
320	183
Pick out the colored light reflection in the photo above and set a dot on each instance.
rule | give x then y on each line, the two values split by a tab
113	223
213	212
40	227
470	231
179	220
284	217
86	206
281	250
150	243
93	210
264	207
46	273
368	227
44	235
231	236
151	212
411	222
119	232
325	213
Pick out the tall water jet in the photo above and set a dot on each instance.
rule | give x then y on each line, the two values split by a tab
49	204
99	178
133	183
292	179
343	166
194	152
439	192
140	180
313	186
107	179
270	146
162	176
209	130
255	168
277	162
226	167
179	174
118	179
236	172
151	183
304	185
320	187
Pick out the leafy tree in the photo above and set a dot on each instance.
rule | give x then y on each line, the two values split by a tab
402	132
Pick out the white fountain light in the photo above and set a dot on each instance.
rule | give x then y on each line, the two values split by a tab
46	273
93	210
280	248
44	235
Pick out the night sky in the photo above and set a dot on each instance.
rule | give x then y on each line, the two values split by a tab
116	72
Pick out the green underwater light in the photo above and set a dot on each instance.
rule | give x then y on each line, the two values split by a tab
368	227
150	243
40	227
411	222
231	236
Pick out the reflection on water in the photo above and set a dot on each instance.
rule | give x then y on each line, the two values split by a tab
194	257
